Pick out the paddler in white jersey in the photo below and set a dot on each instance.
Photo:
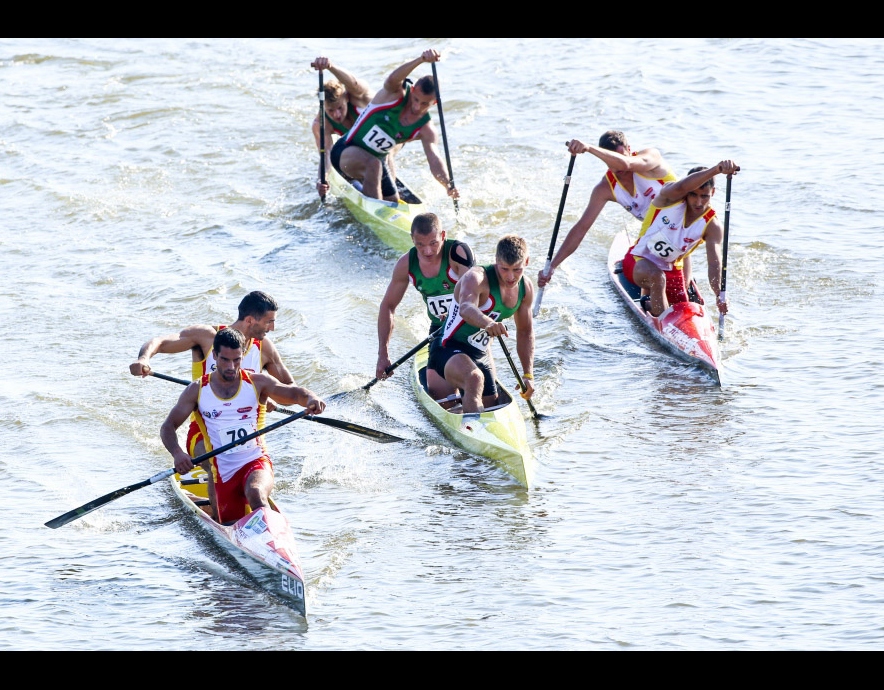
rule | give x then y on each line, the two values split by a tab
256	318
397	114
680	218
633	179
433	266
484	297
226	403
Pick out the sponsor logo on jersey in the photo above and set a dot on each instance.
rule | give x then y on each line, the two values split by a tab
241	410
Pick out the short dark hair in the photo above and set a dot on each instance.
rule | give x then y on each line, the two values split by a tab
228	337
256	304
708	183
427	85
511	249
611	139
426	223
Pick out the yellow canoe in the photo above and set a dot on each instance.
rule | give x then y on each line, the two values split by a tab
499	435
390	222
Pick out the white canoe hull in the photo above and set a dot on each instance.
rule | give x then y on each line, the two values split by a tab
261	542
686	330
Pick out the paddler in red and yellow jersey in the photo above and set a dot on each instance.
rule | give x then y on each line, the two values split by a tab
397	114
680	218
256	318
633	179
226	404
345	98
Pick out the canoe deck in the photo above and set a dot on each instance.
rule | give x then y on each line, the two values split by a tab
686	330
390	222
261	542
499	435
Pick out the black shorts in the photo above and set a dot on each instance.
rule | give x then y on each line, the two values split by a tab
439	356
388	187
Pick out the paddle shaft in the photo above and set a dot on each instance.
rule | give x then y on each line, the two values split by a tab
357	429
727	222
444	136
321	132
86	508
506	351
552	242
404	358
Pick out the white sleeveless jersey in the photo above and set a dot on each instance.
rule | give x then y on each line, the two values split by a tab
646	189
665	240
224	421
251	360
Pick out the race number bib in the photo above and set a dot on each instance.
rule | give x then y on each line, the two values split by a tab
480	339
378	140
438	306
234	433
658	245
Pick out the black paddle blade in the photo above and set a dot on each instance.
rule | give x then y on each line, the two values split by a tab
87	508
77	513
358	430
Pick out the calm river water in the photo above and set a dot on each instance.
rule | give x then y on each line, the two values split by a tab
147	185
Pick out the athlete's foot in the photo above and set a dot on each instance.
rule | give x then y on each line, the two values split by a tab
470	421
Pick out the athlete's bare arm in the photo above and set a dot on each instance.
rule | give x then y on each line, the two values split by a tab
524	322
273	364
673	192
357	89
187	403
471	291
601	194
288	394
199	339
714	237
393	87
648	162
392	299
429	140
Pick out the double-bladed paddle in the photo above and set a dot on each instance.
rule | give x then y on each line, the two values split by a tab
358	430
86	508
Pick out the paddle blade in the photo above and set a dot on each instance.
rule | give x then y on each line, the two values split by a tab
358	430
87	508
537	302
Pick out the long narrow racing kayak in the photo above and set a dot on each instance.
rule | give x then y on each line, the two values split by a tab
390	222
262	541
686	329
499	434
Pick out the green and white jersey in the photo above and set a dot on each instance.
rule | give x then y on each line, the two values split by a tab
339	127
377	129
458	330
438	291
